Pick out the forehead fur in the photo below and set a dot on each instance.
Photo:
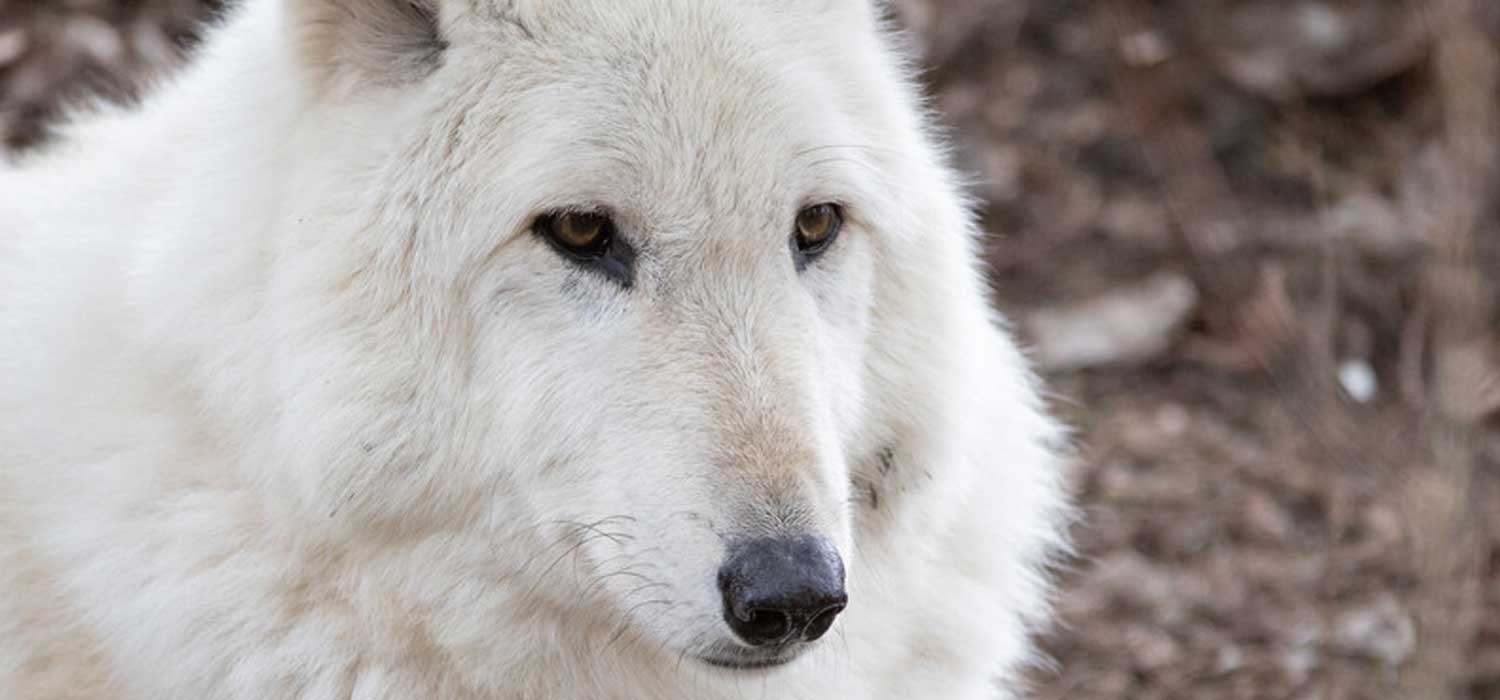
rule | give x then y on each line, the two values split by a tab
542	12
698	100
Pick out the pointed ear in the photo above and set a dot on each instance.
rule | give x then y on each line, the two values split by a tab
383	42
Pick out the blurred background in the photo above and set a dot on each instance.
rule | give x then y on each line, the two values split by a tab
1253	245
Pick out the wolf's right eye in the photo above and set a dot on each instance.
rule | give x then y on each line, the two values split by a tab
589	239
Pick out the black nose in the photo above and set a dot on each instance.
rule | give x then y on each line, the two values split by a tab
782	590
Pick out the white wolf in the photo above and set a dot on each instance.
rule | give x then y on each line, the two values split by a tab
514	349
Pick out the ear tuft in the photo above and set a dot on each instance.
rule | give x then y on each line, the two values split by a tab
384	42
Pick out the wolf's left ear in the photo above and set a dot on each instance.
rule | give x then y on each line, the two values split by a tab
385	42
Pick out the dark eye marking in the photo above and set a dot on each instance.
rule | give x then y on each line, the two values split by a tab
590	240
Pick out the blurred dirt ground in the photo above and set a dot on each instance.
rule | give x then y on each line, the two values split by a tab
1252	244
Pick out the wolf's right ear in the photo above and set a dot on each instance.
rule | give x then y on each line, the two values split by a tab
385	42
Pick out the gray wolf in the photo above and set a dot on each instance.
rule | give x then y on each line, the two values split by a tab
514	349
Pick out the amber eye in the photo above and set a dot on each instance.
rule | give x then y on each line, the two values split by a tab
590	240
585	234
817	226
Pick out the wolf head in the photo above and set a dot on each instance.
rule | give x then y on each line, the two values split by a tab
607	307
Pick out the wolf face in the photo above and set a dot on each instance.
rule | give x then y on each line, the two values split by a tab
595	283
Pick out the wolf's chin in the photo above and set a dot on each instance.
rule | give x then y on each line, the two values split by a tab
736	658
747	663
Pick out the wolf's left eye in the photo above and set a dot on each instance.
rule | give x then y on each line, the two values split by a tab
817	227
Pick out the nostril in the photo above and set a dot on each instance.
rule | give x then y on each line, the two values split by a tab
765	627
820	623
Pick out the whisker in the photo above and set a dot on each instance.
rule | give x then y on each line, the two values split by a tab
851	146
599	580
625	624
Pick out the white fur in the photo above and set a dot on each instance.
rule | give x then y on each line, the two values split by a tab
293	404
